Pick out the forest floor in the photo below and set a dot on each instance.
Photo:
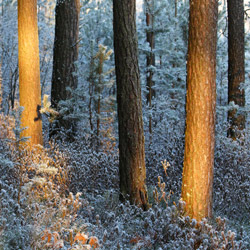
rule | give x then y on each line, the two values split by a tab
66	196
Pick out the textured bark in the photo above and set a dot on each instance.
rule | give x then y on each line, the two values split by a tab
200	109
131	138
236	66
150	57
65	55
29	71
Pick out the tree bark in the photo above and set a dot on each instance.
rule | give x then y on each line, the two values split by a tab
200	109
29	71
150	57
131	137
236	66
65	56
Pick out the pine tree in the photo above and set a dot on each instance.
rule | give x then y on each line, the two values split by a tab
64	58
236	67
29	71
151	56
131	137
200	109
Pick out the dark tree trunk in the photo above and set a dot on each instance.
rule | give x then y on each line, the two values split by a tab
200	109
175	8
91	90
131	137
236	66
151	56
65	55
98	92
1	91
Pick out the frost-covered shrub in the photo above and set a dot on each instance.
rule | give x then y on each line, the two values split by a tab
123	226
231	178
37	211
231	175
170	147
48	206
231	190
91	169
14	230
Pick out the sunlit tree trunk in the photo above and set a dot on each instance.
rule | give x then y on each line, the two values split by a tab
151	56
200	109
29	71
236	66
131	137
65	56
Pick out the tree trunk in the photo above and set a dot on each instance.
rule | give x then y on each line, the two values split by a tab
131	138
200	109
29	71
236	66
1	91
65	56
150	56
98	91
91	80
175	8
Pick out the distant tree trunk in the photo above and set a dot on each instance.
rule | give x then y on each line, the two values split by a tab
175	8
98	91
200	109
65	55
29	71
13	86
236	66
131	137
91	90
1	91
150	57
1	62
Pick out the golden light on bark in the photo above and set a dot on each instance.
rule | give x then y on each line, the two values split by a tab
29	71
200	109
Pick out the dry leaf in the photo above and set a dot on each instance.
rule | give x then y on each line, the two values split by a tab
47	234
93	242
81	237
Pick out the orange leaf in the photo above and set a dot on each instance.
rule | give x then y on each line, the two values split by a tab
49	237
43	237
93	242
47	234
81	237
